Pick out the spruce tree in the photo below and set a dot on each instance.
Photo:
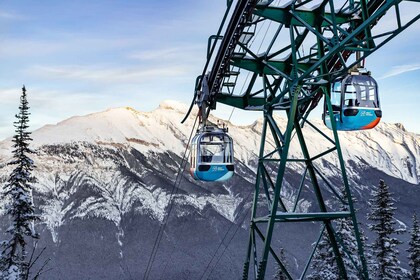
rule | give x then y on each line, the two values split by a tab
18	194
384	248
345	233
348	247
324	265
280	275
414	250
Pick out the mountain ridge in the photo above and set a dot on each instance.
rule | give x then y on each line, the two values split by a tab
161	129
113	174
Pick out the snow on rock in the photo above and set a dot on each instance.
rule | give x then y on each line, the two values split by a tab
158	130
388	147
173	105
90	150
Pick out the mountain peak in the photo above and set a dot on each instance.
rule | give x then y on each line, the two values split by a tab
400	126
391	148
173	105
117	110
145	131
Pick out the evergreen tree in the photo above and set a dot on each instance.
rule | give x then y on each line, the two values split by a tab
384	248
345	233
348	247
280	275
324	265
20	208
414	250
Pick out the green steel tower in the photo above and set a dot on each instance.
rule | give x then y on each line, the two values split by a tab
281	57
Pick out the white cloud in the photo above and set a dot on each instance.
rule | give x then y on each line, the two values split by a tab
401	69
28	48
175	53
388	22
11	16
48	106
61	45
10	96
106	74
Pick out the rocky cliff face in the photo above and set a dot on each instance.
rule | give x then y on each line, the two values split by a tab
106	180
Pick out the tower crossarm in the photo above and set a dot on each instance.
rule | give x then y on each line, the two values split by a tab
320	43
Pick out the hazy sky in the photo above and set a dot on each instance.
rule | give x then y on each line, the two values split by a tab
78	57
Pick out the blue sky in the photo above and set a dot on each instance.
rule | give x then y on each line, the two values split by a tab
79	57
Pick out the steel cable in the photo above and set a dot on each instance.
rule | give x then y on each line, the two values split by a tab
166	218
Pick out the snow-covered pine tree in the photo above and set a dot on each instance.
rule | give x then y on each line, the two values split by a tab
20	207
280	275
345	233
414	250
384	248
324	265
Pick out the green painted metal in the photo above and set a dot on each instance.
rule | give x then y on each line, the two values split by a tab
282	15
308	263
321	202
272	251
352	39
292	78
252	243
243	102
348	191
270	67
279	181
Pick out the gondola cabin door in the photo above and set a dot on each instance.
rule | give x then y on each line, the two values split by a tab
355	103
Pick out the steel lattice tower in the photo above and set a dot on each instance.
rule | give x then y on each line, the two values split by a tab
289	68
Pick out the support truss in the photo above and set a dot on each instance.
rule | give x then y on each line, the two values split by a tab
288	67
270	185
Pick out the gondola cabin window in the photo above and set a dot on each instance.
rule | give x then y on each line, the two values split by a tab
350	98
193	155
336	96
215	149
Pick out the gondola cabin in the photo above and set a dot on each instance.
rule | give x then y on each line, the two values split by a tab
355	103
211	157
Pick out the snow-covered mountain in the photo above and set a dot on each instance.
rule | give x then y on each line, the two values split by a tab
105	182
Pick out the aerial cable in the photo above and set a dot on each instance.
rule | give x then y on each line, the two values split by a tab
245	215
231	238
166	218
243	86
208	61
163	226
225	237
250	44
231	113
247	197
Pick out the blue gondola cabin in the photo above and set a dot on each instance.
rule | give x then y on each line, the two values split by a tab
355	103
211	156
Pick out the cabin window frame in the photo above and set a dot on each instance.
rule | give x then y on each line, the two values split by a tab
225	146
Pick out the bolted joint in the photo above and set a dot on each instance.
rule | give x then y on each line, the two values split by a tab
261	270
245	271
